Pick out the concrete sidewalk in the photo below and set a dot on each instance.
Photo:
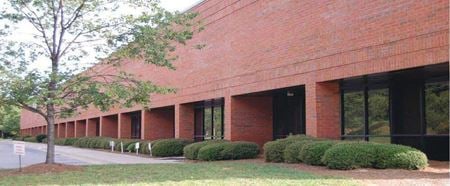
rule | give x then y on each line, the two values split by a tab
35	153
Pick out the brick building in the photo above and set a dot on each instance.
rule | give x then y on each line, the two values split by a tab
364	70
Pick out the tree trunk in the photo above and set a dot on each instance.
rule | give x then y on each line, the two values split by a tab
50	158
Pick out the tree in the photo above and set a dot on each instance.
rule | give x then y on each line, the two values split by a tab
9	120
65	32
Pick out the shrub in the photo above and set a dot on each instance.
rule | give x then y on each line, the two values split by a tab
312	153
239	150
274	150
126	143
30	139
144	147
399	156
191	151
212	152
81	142
60	141
131	147
169	147
70	141
350	155
41	137
291	153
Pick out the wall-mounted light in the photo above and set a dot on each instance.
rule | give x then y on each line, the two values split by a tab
289	93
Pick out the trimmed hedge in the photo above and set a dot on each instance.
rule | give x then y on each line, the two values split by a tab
274	150
228	151
169	147
30	139
41	137
350	155
191	151
291	153
364	154
211	152
312	152
399	156
240	150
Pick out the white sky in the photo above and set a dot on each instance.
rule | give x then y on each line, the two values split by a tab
23	32
179	5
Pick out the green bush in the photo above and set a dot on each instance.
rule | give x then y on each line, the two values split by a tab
399	156
144	147
292	151
212	152
362	154
240	150
350	155
70	141
60	141
30	139
81	142
131	147
169	147
191	151
274	150
22	138
313	152
126	143
41	137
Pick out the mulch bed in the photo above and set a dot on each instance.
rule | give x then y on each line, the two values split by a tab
41	168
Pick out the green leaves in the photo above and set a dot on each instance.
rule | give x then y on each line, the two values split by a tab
47	73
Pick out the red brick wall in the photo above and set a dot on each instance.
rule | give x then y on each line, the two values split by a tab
159	123
70	129
80	128
62	130
184	121
124	126
109	126
258	45
91	126
57	130
323	109
251	119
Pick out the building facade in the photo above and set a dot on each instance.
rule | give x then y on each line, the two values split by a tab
351	70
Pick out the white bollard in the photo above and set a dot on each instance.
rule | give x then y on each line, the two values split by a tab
150	148
112	144
137	148
121	147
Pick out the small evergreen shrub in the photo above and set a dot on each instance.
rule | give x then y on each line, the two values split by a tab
70	141
292	151
60	141
169	147
312	153
30	139
350	155
41	137
212	152
274	150
239	150
399	156
191	151
144	147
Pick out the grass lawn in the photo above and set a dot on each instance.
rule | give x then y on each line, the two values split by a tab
216	173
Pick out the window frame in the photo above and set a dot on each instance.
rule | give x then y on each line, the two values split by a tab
209	104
